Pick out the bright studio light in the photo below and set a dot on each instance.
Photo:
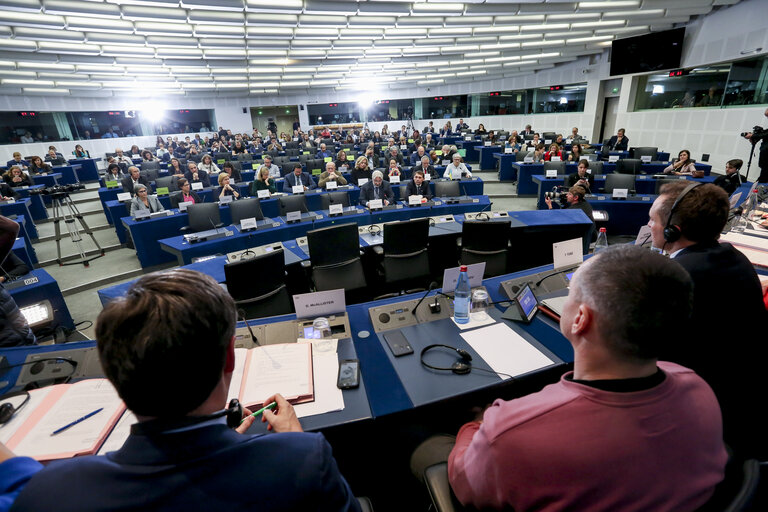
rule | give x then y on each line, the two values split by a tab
153	111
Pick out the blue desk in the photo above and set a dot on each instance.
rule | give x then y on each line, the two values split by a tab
23	252
468	187
36	206
48	180
20	207
21	220
626	216
88	170
506	171
68	176
471	154
487	161
525	172
46	288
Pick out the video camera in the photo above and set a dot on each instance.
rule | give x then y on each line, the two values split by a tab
559	193
57	189
756	130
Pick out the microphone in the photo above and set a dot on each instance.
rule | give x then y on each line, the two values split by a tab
214	225
241	314
431	287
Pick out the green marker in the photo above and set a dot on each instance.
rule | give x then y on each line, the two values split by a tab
270	406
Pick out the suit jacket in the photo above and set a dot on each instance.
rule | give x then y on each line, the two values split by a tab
291	181
429	170
729	182
154	205
614	145
199	469
572	179
7	191
178	197
357	174
413	190
202	175
128	183
367	192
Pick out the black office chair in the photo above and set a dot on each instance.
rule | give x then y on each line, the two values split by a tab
287	169
550	136
447	189
628	166
531	246
245	157
221	156
488	242
644	151
258	285
335	255
436	480
150	174
404	252
326	200
557	166
245	209
520	155
596	167
296	203
614	181
660	182
171	182
202	216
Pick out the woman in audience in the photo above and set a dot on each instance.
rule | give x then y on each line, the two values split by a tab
481	130
538	153
159	142
582	177
385	131
225	188
143	201
575	155
37	166
135	152
174	168
434	157
239	148
394	169
536	140
15	177
230	169
147	156
263	182
342	164
554	151
377	138
185	194
456	169
682	164
79	152
114	173
361	170
206	164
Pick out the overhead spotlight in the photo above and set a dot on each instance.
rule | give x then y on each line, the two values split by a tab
153	111
563	100
658	89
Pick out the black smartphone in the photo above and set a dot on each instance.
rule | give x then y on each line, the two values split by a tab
349	374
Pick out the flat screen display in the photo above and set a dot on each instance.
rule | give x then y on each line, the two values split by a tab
527	301
651	52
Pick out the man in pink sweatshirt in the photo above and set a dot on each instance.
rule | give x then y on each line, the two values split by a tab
623	431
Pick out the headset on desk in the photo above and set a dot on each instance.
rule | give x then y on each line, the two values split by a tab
461	366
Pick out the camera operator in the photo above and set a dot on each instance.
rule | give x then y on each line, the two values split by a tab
574	199
762	160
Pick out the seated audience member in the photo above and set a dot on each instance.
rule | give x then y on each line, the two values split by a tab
456	169
536	140
161	151
274	171
576	153
538	153
682	164
393	170
79	152
323	152
7	192
225	187
14	329
575	137
297	177
718	270
481	130
461	125
394	154
183	454
361	171
114	173
418	187
554	151
18	161
143	201
642	434
238	148
559	140
53	155
121	158
448	153
732	179
174	168
331	174
342	164
147	156
618	142
207	164
15	177
185	194
229	169
425	166
528	130
377	188
263	182
575	200
417	155
195	175
194	155
134	178
582	177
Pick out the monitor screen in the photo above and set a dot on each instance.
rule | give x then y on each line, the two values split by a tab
650	52
527	301
569	276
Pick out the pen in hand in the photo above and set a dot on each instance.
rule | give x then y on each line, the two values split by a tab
69	425
270	406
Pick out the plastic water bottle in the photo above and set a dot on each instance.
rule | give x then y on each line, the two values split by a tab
740	223
602	241
461	297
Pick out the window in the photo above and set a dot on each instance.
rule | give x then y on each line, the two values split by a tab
334	113
559	98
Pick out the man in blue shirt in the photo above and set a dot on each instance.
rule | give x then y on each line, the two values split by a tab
323	153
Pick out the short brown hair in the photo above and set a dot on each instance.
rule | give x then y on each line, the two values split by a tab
701	215
578	191
164	344
736	163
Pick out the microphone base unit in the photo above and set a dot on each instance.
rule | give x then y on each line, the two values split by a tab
288	331
207	236
549	281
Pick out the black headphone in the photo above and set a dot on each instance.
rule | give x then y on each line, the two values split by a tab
374	230
487	217
7	410
234	414
672	233
460	367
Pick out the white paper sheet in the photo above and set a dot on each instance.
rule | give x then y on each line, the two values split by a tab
35	397
241	355
505	350
473	322
119	434
325	363
283	369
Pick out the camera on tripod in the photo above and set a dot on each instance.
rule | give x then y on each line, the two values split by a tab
559	193
756	130
58	189
409	112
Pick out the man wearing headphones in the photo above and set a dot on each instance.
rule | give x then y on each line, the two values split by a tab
172	366
686	220
622	430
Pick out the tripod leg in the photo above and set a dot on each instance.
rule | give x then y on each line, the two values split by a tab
57	228
84	224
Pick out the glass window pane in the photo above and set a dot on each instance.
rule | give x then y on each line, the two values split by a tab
334	113
568	98
29	126
697	87
445	107
747	83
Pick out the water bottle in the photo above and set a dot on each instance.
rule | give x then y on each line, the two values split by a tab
461	297
740	223
602	241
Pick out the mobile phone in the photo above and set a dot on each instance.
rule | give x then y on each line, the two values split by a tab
349	374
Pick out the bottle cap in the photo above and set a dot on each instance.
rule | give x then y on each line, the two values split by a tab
602	230
463	268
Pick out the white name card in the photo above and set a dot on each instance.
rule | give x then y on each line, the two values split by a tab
374	204
141	214
427	176
414	200
331	185
474	272
183	205
312	305
646	159
508	150
620	193
362	181
295	139
547	141
528	160
487	143
262	194
467	138
613	158
336	209
225	199
403	146
293	216
249	223
551	173
198	185
297	189
567	253
124	196
556	159
394	179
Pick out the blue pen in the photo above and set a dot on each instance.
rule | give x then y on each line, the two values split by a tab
65	427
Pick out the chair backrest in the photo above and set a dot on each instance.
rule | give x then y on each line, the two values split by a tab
628	166
221	156
150	174
203	216
168	181
245	157
663	181
341	197
147	166
521	155
644	151
551	136
614	181
558	166
292	204
288	168
334	244
447	189
405	237
245	209
596	167
258	285
485	235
